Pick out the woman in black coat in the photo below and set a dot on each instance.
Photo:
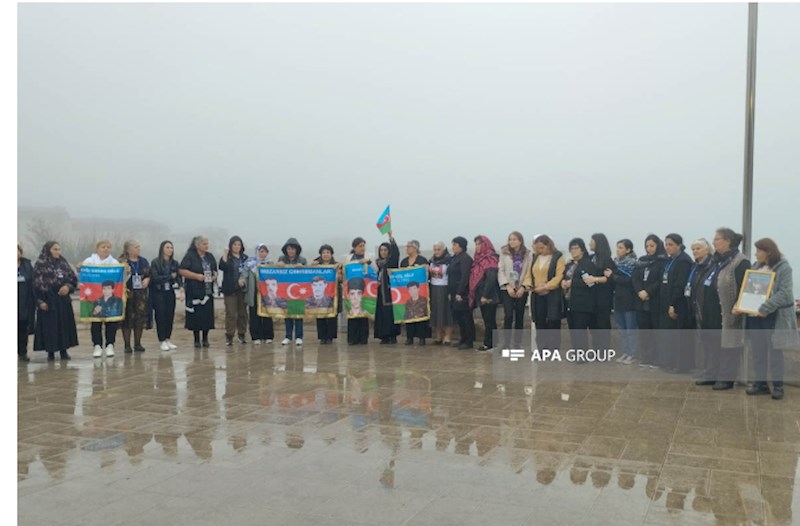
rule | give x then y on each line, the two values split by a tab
199	271
582	297
53	282
484	287
26	304
676	354
603	290
647	284
385	327
164	282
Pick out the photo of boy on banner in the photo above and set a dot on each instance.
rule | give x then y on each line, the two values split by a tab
297	292
102	293
410	294
360	290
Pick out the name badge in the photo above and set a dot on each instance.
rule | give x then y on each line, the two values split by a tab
688	290
136	280
665	277
709	280
60	274
20	278
646	273
166	286
208	276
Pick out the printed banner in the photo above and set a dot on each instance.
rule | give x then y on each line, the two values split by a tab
297	292
102	292
360	290
410	294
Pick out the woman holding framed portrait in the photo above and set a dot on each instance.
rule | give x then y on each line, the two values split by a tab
772	327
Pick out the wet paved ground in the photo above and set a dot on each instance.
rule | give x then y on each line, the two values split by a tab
387	436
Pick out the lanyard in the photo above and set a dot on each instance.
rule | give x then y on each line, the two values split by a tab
692	273
134	268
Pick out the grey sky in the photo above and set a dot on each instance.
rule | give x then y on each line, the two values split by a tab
306	120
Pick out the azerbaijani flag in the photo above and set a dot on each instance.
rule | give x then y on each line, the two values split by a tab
384	223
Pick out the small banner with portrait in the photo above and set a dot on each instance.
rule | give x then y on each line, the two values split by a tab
297	292
360	290
410	294
102	292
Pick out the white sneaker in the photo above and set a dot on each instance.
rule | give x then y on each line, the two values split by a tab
165	346
110	350
98	352
628	360
621	359
286	341
256	342
268	341
171	345
299	341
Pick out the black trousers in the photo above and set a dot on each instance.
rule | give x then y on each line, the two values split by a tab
466	326
326	328
578	331
164	309
358	331
261	328
647	321
489	314
22	337
111	332
548	332
601	328
711	343
729	363
513	310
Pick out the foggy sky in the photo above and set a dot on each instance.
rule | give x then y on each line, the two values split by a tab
306	120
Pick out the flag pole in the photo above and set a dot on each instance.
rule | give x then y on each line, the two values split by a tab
749	132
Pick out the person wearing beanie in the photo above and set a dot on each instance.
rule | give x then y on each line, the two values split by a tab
291	257
458	273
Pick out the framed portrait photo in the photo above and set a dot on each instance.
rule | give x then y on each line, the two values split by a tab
756	289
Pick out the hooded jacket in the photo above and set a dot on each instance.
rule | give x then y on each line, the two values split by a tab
298	259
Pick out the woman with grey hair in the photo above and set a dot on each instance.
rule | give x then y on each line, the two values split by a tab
418	329
441	311
199	270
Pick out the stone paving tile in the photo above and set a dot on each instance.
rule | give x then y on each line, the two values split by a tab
377	436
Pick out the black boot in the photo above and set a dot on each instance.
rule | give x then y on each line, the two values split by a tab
722	386
228	340
758	388
65	355
51	356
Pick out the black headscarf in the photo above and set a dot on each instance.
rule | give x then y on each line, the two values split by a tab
47	270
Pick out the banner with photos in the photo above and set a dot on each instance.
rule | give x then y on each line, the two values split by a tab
102	292
297	292
410	294
360	290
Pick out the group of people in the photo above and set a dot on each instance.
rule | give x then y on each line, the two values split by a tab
665	289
